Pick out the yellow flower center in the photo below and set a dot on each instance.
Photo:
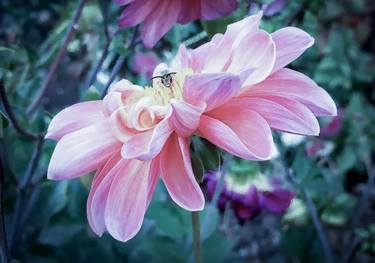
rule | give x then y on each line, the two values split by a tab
167	87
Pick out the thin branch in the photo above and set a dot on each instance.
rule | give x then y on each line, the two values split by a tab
310	206
314	217
22	199
120	61
3	236
92	78
60	55
12	117
363	202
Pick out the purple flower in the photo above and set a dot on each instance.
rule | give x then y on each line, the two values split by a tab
249	197
158	16
145	63
334	126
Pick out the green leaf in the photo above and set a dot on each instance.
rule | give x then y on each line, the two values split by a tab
198	168
170	220
58	235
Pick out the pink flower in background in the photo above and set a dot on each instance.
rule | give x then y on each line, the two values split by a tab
158	16
249	198
231	91
145	63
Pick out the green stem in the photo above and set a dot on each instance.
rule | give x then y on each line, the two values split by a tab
196	236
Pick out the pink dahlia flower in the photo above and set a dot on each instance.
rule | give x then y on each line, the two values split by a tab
231	91
158	16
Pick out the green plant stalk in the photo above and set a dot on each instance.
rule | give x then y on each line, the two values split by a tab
196	236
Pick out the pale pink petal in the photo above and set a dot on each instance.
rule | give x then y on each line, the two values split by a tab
162	18
185	117
127	199
290	43
83	151
75	117
239	131
118	125
177	174
146	145
245	27
213	89
282	113
97	198
294	85
217	8
182	59
256	52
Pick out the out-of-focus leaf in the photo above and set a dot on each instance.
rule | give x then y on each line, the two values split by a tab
57	235
92	94
216	248
169	220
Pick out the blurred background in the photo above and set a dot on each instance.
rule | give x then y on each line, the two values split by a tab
314	202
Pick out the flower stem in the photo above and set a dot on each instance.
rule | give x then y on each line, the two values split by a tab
196	236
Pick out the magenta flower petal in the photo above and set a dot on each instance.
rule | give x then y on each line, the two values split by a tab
276	201
127	199
294	85
160	21
239	131
215	9
81	152
290	43
177	174
75	117
212	89
137	12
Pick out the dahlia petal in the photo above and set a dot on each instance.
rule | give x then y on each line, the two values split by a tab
191	11
127	199
178	176
136	13
146	145
247	26
119	127
294	85
213	89
160	21
185	117
290	43
241	132
123	2
82	152
218	8
257	52
97	198
75	117
282	113
182	59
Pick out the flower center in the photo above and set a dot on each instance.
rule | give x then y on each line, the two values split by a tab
167	86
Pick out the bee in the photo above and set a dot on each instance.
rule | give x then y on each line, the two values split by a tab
166	79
